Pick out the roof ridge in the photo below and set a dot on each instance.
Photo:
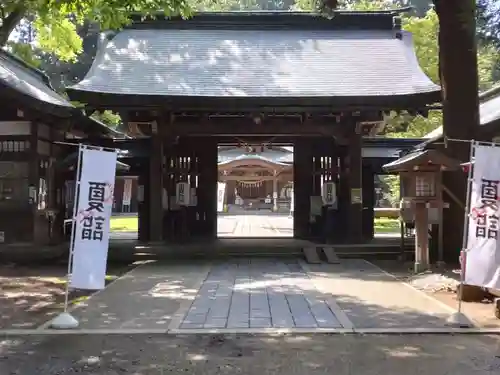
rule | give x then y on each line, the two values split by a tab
343	19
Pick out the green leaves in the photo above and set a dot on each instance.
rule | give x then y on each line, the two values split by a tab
58	34
56	20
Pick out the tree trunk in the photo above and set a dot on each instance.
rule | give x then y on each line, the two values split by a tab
9	23
459	82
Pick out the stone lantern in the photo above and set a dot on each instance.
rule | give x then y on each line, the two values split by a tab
422	198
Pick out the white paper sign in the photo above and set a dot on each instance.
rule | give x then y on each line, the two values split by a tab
93	213
221	190
482	266
183	194
328	193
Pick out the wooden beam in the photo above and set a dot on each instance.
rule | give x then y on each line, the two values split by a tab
246	178
244	126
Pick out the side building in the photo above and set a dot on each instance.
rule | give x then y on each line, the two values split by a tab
37	128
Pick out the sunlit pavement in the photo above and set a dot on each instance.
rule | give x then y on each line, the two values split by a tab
261	225
254	226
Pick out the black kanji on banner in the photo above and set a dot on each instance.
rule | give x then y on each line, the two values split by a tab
487	222
96	196
93	228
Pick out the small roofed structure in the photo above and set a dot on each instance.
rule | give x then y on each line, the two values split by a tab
422	195
422	160
34	121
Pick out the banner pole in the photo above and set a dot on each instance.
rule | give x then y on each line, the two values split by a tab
466	226
66	320
458	319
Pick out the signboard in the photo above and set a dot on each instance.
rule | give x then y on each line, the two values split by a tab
193	200
316	203
182	194
140	193
329	194
90	235
482	261
356	196
221	190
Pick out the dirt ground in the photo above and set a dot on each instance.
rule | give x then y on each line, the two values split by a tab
440	285
33	294
315	354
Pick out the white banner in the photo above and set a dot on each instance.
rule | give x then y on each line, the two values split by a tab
482	260
93	213
221	190
127	192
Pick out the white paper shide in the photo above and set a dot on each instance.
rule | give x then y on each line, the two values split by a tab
92	219
482	260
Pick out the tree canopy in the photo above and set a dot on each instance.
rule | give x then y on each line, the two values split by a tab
56	22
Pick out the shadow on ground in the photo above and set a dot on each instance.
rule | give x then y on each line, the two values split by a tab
151	296
250	355
33	294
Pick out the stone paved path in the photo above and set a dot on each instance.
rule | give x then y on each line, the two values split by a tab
259	294
254	226
256	294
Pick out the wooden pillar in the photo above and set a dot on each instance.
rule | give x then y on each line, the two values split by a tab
302	182
275	192
143	205
208	186
355	185
156	188
368	181
421	237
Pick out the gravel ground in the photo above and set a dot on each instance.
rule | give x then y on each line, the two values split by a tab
442	285
250	355
32	294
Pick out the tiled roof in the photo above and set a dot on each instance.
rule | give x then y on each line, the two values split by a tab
228	156
489	111
35	86
16	75
259	63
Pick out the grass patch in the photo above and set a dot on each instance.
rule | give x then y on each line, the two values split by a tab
124	224
386	225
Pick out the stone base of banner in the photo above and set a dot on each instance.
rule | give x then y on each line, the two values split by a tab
459	320
64	321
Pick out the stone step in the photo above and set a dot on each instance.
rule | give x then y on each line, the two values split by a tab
311	254
331	255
